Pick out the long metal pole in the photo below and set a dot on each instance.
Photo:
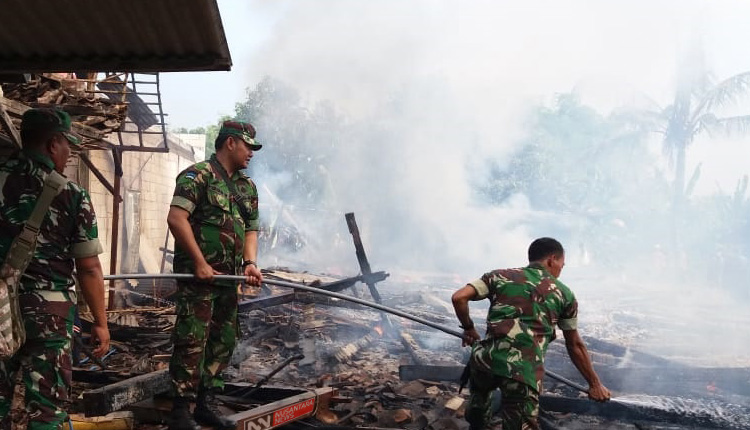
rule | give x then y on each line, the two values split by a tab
331	294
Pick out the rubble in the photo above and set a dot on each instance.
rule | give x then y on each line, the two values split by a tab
308	361
78	97
371	378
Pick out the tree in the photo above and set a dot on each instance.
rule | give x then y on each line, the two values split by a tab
593	173
212	131
698	107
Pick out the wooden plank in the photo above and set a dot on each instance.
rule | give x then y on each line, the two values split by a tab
7	124
661	410
411	372
114	397
16	108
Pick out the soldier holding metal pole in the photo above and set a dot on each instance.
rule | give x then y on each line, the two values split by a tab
525	306
214	220
47	229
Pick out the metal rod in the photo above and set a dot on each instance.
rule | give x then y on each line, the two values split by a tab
296	287
276	370
336	295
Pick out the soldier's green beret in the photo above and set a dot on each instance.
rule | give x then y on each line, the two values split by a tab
54	120
243	130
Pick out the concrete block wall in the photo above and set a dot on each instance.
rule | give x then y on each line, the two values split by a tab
153	175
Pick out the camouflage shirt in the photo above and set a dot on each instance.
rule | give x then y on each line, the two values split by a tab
526	303
215	217
68	231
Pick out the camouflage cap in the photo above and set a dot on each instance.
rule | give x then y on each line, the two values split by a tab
54	120
243	130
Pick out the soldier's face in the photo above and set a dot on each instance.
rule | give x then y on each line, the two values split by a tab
556	264
242	154
59	151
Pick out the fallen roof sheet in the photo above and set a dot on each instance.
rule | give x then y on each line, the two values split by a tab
107	35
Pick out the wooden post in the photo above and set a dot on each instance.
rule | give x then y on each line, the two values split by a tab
116	198
364	265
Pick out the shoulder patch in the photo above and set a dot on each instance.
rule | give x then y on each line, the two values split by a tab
191	175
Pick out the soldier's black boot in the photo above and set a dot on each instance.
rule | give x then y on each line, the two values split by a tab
180	418
207	412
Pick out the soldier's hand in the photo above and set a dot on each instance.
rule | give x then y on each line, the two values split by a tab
100	339
470	337
599	392
253	275
204	272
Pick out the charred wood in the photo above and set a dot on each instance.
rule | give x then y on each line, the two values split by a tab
412	372
414	349
665	411
114	397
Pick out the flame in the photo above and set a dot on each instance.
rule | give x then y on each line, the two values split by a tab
379	330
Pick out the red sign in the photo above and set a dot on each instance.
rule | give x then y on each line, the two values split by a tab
293	412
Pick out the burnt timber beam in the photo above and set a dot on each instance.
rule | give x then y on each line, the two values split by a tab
630	412
114	397
116	199
411	345
17	109
335	286
411	372
668	380
263	302
342	284
87	161
364	265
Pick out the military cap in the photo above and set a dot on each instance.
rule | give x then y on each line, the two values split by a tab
53	120
243	130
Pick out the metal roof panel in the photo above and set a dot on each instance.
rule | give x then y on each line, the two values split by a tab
106	35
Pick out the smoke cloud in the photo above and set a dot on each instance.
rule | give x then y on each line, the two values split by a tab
432	89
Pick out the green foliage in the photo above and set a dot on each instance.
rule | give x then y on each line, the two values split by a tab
575	160
596	171
212	131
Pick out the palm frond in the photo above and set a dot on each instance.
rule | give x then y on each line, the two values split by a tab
724	93
726	126
642	119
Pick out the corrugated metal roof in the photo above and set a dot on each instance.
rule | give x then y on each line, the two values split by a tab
111	35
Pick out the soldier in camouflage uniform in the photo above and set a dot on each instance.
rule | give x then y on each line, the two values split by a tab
525	305
34	383
215	226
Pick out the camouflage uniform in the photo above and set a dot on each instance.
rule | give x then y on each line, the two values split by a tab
526	304
206	327
47	291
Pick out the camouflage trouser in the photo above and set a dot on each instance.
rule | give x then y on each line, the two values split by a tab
40	372
204	337
519	407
